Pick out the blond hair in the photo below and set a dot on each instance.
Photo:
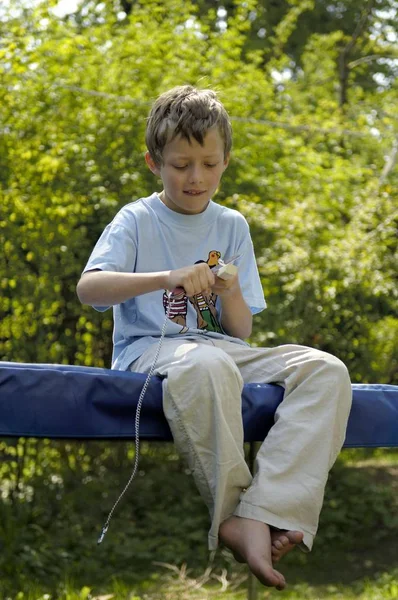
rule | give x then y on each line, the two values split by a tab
189	112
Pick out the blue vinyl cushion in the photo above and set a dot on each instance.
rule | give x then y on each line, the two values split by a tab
62	401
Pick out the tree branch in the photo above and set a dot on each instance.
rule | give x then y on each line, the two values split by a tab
390	162
367	59
343	65
127	5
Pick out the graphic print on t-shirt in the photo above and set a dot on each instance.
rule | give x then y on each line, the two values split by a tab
203	304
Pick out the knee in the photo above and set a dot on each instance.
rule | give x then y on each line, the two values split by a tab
336	375
208	381
336	368
220	380
214	362
314	361
202	362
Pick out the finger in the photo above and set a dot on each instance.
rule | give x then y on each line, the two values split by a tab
205	278
189	287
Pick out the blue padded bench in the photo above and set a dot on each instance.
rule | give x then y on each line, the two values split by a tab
74	402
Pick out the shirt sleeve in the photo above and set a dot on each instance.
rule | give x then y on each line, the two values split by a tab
116	250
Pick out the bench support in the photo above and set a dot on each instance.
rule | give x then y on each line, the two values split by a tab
252	587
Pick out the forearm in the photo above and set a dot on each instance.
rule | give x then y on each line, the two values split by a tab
236	317
106	288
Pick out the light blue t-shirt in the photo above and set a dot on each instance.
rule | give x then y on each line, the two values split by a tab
146	236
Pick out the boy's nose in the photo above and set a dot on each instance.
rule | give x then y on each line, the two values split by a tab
195	175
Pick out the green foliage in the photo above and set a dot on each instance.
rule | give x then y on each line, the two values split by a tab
55	497
359	498
74	97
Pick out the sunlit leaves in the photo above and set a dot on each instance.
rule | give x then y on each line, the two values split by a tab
74	95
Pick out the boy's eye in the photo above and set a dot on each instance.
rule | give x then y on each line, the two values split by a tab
208	165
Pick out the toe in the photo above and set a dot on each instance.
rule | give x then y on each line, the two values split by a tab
282	581
294	537
284	540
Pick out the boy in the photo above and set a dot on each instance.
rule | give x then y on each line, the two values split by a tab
172	241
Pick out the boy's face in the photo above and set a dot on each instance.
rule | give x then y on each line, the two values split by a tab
190	172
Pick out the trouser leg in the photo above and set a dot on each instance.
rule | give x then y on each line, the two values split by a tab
310	425
202	403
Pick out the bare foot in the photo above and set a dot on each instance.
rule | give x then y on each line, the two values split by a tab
250	542
283	541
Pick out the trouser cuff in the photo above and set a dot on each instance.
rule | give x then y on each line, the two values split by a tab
213	542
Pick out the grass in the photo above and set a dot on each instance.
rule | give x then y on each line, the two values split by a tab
178	585
355	555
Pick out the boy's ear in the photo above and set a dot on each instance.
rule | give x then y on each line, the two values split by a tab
226	161
151	164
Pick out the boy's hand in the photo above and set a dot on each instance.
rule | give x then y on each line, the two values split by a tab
195	279
225	287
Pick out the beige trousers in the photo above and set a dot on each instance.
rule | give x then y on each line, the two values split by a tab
202	387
